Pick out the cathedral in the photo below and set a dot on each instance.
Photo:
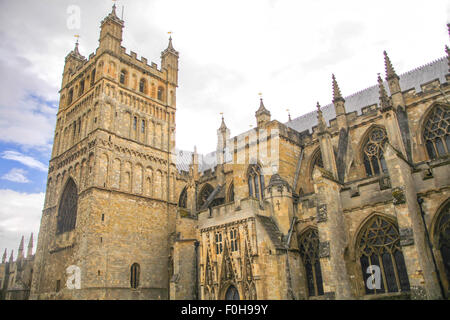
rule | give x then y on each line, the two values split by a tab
351	201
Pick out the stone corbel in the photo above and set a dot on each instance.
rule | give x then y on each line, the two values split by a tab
406	237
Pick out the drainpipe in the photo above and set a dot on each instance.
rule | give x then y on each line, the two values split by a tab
430	245
196	243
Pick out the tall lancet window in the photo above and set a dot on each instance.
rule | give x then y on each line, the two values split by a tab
379	248
309	251
135	275
373	152
436	132
67	213
443	237
255	182
182	203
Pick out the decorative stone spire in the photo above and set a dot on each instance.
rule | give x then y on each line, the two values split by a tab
385	102
262	114
170	48
4	257
339	103
223	126
20	255
11	257
321	121
337	96
75	53
30	246
390	72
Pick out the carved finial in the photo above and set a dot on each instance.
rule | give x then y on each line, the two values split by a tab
114	8
384	99
390	72
262	109
223	126
322	124
11	257
4	256
21	248
336	91
30	246
289	115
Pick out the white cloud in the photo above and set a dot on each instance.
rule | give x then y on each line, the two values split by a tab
16	175
20	214
24	159
229	51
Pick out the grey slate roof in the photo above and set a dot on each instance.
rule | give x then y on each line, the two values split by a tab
205	162
370	96
355	102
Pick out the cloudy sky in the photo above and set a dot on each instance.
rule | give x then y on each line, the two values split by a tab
229	52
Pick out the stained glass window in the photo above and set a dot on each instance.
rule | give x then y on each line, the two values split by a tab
379	246
443	232
67	213
437	132
309	251
373	151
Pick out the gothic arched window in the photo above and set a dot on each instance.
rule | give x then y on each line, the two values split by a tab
379	247
70	97
92	78
316	161
182	203
142	85
373	152
443	236
67	213
436	132
204	194
255	182
309	251
160	93
135	274
81	89
123	76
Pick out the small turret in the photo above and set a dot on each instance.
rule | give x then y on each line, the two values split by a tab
11	257
4	257
74	60
169	62
111	29
262	114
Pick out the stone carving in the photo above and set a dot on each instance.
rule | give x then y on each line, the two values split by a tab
324	249
406	237
398	196
322	213
385	183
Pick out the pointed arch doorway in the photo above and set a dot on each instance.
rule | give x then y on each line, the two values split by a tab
232	293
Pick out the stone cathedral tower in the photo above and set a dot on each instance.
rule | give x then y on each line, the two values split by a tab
110	204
